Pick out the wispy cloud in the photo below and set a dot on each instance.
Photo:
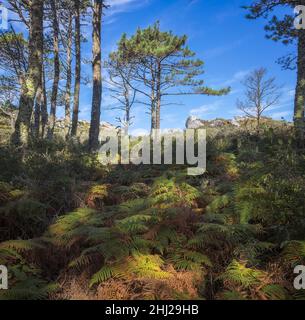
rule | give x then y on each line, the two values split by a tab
119	6
237	77
206	109
191	2
221	50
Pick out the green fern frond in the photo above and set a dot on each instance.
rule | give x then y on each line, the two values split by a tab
238	273
218	204
147	266
70	221
274	292
253	249
216	218
141	245
135	224
7	254
294	252
31	289
22	245
104	274
189	260
84	260
214	227
232	295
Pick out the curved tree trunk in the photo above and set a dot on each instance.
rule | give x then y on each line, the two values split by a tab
32	78
97	76
77	69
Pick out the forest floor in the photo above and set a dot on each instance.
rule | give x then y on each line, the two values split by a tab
74	229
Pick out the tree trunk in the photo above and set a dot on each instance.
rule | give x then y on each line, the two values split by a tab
55	25
97	76
258	123
300	90
77	69
69	79
127	109
158	106
153	105
44	106
32	78
38	108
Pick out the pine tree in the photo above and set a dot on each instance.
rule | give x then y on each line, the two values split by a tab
120	76
165	65
284	30
77	68
34	71
56	76
97	11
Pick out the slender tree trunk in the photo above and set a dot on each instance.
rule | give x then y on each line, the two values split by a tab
55	25
69	79
44	106
300	90
127	111
97	76
32	78
158	106
258	123
38	108
153	117
77	69
153	104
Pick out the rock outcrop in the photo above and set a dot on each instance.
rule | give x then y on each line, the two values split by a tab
195	123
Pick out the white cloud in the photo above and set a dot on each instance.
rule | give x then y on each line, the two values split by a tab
206	109
118	6
237	77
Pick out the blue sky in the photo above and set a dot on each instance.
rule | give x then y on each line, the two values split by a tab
230	45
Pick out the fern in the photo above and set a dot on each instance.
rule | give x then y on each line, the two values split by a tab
146	266
135	224
232	295
294	252
189	260
218	204
239	274
102	275
274	292
22	245
29	289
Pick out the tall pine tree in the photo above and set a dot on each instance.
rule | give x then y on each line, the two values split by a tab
163	66
283	29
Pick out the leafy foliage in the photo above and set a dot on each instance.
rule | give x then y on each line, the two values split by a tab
234	233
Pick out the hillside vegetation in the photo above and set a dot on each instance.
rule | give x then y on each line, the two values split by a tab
74	229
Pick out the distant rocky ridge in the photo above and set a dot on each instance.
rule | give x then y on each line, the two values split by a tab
193	122
83	128
6	126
